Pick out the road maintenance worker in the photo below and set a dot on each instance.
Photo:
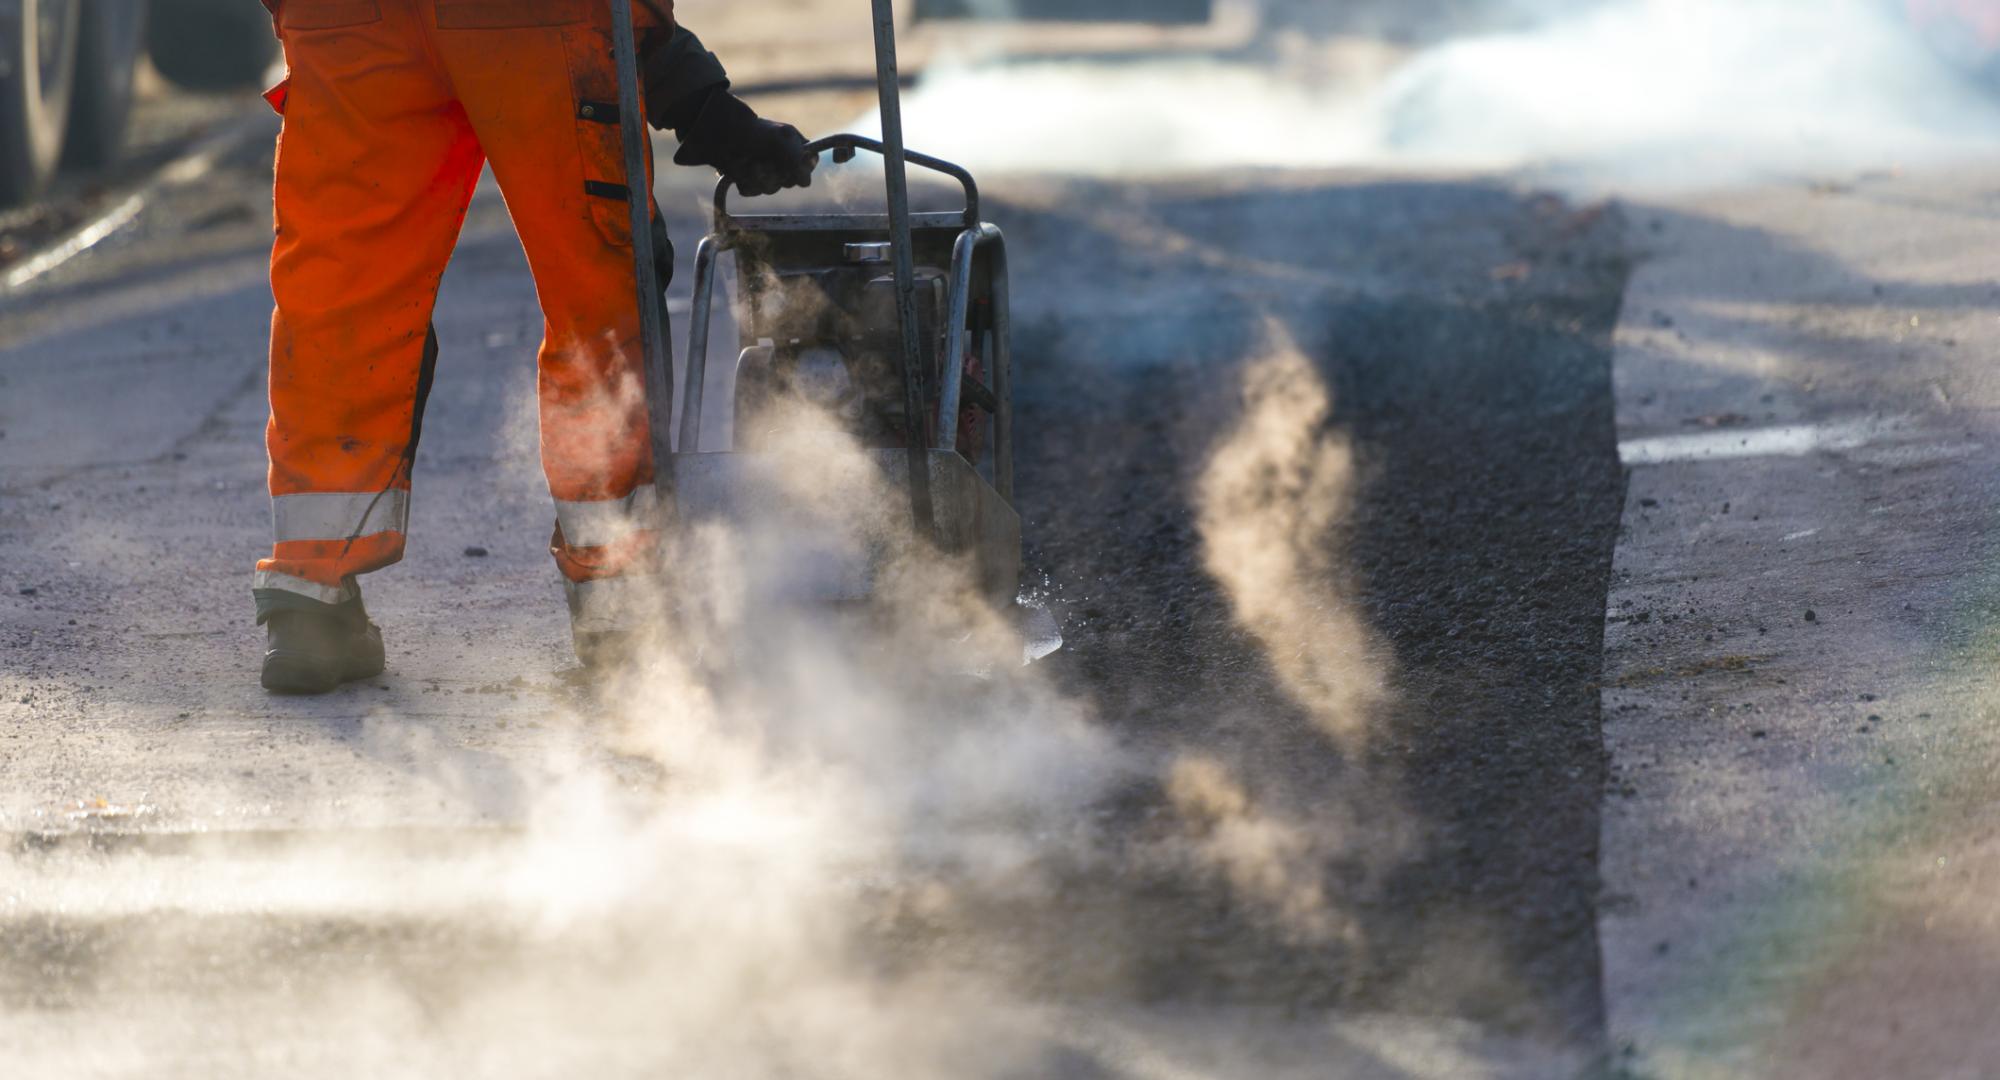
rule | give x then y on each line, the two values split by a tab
391	108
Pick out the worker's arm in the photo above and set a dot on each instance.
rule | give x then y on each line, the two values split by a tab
688	90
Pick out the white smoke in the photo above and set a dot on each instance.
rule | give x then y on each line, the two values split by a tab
1628	93
781	843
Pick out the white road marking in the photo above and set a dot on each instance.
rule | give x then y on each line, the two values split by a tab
79	242
188	168
1791	440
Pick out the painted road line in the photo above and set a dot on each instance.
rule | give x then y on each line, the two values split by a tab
78	242
1790	440
184	170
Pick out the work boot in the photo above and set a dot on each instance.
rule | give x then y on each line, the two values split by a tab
312	651
600	651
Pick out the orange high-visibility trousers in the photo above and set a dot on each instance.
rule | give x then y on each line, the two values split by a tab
391	108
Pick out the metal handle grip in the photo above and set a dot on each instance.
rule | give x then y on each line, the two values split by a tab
844	147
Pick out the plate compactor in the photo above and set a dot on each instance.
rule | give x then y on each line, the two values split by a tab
892	327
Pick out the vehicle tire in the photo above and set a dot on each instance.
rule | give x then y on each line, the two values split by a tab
211	44
107	51
37	74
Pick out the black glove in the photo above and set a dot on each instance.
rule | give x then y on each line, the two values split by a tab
761	156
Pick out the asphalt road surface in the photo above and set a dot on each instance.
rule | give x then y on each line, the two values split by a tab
1326	476
1463	330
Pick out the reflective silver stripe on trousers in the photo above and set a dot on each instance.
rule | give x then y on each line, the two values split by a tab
616	603
271	579
601	524
339	515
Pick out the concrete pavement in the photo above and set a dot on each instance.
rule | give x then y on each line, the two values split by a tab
1801	836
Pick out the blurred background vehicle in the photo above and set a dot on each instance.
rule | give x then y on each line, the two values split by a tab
67	72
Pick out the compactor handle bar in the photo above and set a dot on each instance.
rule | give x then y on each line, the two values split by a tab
844	148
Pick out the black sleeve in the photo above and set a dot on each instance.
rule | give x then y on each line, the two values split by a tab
679	74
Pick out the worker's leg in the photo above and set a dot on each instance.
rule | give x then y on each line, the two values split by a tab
539	86
376	165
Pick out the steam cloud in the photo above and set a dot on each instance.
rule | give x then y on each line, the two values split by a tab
1643	94
1269	501
778	846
